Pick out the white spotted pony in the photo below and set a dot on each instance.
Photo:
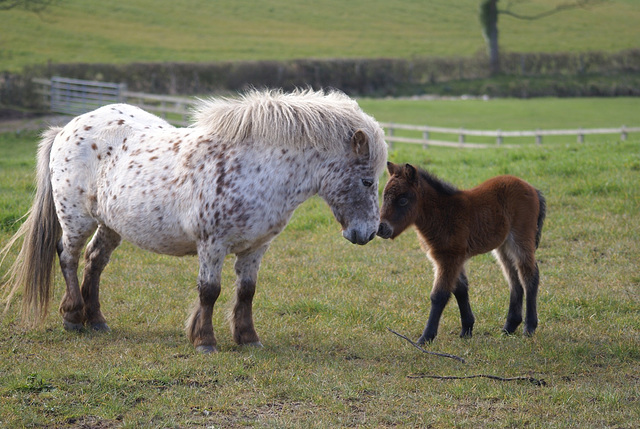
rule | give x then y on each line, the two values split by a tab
229	183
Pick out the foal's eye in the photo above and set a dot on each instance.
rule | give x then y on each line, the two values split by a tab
403	201
367	183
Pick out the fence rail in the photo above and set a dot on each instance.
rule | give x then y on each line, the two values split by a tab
499	135
176	110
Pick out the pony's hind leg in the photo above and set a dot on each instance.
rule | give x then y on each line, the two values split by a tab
69	250
461	292
96	258
241	317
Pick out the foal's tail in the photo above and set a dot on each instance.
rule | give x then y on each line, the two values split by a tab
33	267
541	215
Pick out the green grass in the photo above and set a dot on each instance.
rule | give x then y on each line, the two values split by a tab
201	31
508	115
323	305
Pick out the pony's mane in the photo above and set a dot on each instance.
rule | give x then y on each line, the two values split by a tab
299	119
440	186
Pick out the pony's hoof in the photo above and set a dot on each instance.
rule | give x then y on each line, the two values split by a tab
72	327
256	344
100	327
206	349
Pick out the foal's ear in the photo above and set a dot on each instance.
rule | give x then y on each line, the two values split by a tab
392	168
410	173
360	143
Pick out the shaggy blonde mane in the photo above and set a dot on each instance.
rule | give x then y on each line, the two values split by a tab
299	119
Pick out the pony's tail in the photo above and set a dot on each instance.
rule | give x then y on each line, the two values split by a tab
41	231
542	213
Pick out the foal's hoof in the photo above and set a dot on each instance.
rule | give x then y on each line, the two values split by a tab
72	327
425	340
100	327
466	333
206	349
256	344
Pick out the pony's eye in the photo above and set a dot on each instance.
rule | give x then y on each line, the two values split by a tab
403	201
367	183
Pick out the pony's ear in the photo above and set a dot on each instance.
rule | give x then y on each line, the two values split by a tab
410	173
392	168
360	143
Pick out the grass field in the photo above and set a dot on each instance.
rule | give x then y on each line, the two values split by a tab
202	31
323	305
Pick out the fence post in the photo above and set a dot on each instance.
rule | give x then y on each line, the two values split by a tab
122	89
499	137
580	135
538	137
390	134
461	137
623	133
425	137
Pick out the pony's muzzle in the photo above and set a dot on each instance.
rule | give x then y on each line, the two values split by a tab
385	230
355	237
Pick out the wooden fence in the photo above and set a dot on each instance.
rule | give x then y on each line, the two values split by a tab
89	95
498	135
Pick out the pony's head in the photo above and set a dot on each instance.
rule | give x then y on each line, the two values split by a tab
350	145
399	200
350	187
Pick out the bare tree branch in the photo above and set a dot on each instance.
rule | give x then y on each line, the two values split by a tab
560	8
35	6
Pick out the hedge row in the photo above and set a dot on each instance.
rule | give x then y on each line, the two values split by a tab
370	77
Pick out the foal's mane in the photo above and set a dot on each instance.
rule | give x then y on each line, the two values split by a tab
440	186
299	119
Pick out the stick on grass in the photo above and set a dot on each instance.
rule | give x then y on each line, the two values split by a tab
537	382
446	355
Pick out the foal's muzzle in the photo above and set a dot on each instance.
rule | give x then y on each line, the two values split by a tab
385	230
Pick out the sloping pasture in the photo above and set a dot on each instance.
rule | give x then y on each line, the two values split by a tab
77	31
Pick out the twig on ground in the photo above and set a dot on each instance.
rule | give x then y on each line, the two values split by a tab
446	355
537	382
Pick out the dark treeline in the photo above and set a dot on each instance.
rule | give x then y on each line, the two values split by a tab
523	75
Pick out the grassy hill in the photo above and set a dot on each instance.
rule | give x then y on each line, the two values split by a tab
203	31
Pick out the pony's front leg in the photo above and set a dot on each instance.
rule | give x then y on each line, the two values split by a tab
199	326
443	285
241	317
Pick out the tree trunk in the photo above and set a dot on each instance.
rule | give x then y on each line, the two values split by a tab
489	22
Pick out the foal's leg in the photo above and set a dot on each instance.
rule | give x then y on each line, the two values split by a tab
241	317
96	258
69	249
461	292
199	326
445	281
514	316
530	277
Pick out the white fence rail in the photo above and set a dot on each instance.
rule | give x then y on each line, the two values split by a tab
498	135
176	110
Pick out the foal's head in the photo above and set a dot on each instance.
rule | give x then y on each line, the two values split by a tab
400	206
